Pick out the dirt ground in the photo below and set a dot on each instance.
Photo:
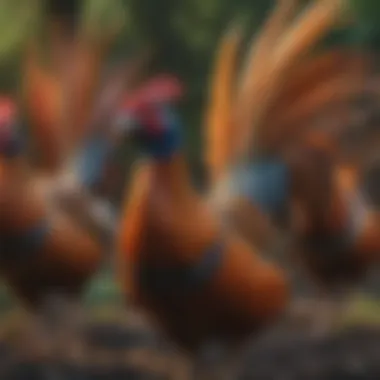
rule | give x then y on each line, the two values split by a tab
116	351
117	343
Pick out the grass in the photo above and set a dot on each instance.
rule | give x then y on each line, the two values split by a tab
363	310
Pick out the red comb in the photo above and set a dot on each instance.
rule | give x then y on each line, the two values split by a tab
163	89
7	111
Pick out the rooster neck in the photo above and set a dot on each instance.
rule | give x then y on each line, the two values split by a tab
177	225
172	177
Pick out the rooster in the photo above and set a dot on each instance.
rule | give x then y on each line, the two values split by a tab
49	252
45	255
198	279
296	108
243	187
162	249
67	109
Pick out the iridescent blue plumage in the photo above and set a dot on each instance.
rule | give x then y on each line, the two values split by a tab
92	159
266	183
164	136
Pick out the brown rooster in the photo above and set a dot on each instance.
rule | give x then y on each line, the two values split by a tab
243	188
173	264
48	254
45	255
199	280
297	109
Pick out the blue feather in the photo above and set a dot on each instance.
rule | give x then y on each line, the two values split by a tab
92	159
166	137
266	184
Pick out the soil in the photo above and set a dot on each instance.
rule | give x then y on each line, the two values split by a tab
116	352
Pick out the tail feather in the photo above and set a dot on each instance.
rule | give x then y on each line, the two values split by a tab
219	132
314	92
78	59
43	98
84	81
258	62
316	20
325	96
309	74
95	151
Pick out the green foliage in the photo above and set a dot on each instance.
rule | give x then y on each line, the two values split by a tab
183	35
366	11
17	19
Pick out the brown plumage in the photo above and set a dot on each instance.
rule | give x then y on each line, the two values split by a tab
47	252
61	255
296	109
68	255
42	94
168	225
333	209
245	294
255	103
280	72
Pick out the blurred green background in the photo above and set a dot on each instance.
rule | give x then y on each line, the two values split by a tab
184	35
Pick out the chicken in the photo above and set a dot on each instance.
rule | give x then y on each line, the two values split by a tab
49	252
256	182
295	108
46	257
199	280
159	246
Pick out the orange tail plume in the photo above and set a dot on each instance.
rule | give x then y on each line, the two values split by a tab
310	73
315	21
219	132
84	80
256	70
43	97
315	90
